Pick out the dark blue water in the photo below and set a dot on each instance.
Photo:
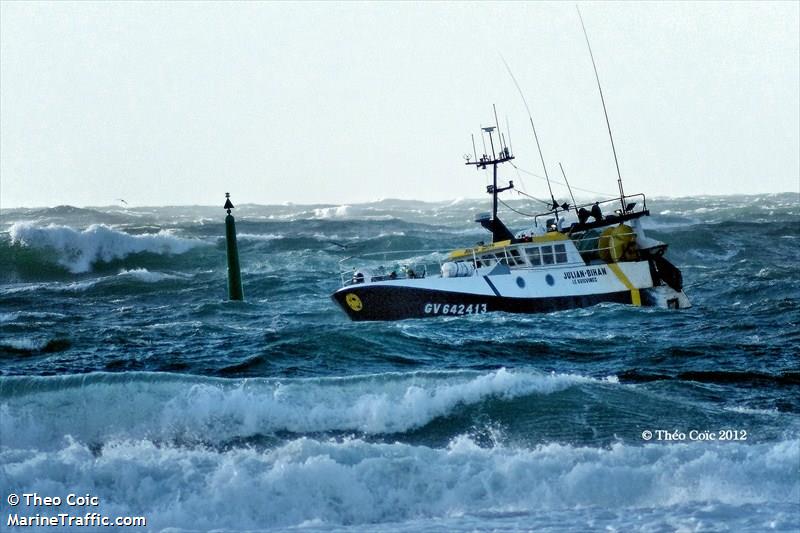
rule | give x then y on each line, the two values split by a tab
124	373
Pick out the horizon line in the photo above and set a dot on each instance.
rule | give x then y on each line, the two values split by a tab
328	204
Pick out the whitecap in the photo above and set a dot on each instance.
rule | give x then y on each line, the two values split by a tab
146	276
259	236
332	212
224	409
370	485
79	250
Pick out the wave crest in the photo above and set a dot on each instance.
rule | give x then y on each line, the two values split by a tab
215	410
79	250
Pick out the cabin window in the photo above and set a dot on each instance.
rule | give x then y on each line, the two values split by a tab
515	257
561	253
547	255
533	256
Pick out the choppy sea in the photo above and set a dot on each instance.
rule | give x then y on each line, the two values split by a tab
125	374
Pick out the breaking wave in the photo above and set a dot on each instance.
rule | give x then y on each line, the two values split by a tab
215	410
78	251
333	212
352	482
180	450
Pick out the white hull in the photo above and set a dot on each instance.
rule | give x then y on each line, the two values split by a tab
499	288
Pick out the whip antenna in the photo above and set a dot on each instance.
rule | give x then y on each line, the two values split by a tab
508	131
530	117
605	112
568	187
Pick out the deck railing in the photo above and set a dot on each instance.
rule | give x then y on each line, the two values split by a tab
630	206
406	269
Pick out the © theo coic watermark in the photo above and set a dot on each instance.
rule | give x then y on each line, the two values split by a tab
695	435
31	509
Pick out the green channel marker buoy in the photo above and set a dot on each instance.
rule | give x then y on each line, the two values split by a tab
234	273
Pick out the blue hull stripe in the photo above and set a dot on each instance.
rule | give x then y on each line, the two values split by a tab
494	289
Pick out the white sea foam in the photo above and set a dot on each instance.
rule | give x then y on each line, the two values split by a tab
31	287
360	212
16	315
57	286
366	485
78	250
146	276
332	212
20	343
259	236
140	274
659	225
751	411
217	410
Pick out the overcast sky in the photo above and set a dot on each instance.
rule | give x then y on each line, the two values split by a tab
177	103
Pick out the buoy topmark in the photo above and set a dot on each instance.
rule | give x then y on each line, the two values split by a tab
234	273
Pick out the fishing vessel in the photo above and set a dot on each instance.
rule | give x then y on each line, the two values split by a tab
555	265
571	256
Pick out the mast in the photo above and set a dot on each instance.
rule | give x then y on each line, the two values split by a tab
494	160
498	229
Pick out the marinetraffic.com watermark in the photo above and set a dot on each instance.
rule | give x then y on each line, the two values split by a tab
666	435
31	509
